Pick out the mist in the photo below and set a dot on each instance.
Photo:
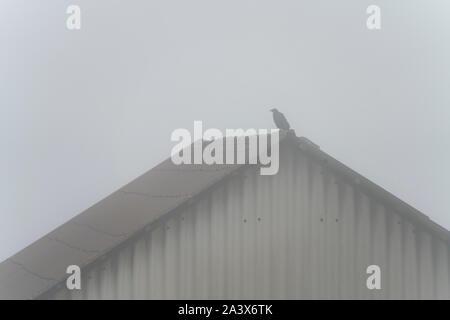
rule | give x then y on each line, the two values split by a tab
84	112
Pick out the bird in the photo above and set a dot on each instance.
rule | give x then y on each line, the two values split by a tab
280	119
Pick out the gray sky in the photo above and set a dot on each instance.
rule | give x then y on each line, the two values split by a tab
84	112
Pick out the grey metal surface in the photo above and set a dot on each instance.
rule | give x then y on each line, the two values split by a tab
103	226
308	232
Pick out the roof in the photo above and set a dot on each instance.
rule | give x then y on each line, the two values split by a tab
107	224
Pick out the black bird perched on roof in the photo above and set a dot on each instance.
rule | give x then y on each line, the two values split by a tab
280	120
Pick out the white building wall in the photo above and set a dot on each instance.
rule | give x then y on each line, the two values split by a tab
301	234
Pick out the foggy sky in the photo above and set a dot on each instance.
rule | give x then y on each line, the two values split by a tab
84	112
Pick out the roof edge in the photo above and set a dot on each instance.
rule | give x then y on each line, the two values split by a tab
377	191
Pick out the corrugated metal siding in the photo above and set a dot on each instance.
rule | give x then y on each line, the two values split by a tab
304	233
